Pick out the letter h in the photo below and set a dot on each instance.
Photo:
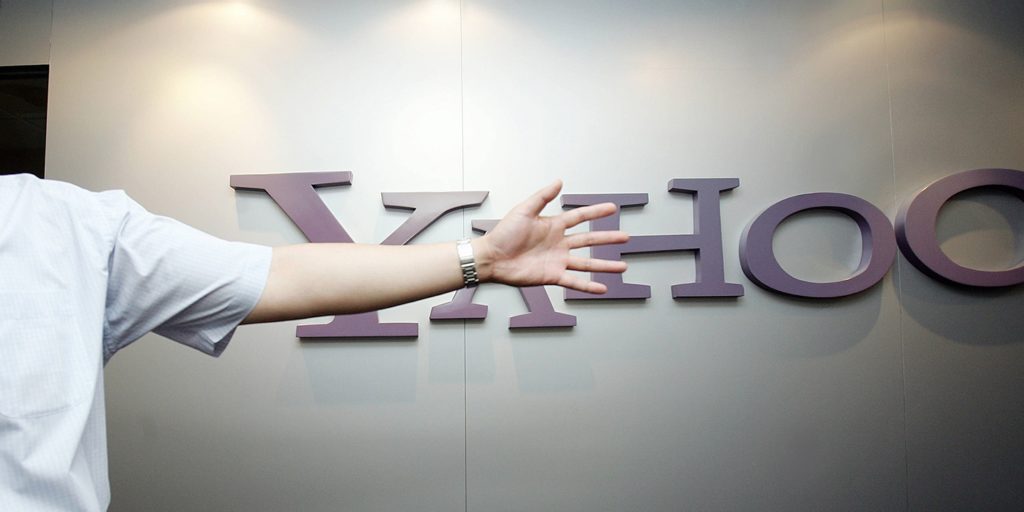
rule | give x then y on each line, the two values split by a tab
706	241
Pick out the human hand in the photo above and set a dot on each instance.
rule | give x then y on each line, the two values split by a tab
527	249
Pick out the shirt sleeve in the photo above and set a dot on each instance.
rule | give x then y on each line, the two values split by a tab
177	281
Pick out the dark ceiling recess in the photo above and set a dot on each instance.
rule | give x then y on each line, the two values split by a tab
23	119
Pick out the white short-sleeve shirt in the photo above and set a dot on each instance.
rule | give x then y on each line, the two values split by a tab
82	275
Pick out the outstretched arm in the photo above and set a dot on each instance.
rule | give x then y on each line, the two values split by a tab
524	249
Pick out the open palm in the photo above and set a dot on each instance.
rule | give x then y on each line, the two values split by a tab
527	249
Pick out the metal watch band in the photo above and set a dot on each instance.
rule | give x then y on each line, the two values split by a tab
467	262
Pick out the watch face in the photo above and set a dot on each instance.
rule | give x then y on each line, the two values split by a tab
465	251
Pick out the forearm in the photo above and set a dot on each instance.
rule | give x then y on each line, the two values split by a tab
323	279
524	249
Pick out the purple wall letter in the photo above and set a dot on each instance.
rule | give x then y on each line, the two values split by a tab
915	227
295	193
706	240
757	257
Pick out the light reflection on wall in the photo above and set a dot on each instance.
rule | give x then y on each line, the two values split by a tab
200	91
219	75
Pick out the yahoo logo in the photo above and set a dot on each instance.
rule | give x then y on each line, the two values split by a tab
914	235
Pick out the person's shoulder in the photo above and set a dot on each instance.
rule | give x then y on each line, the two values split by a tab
15	182
48	193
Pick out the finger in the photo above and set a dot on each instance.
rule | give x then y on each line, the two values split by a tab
596	238
583	285
595	265
595	211
535	203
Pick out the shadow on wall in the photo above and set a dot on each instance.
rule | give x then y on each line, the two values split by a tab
979	229
552	360
998	20
968	316
353	372
980	38
830	326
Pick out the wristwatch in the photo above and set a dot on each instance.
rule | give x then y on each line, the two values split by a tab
467	263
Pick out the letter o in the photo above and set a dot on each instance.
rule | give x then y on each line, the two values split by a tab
915	227
757	257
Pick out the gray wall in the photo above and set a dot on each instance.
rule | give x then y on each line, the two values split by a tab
25	32
905	397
